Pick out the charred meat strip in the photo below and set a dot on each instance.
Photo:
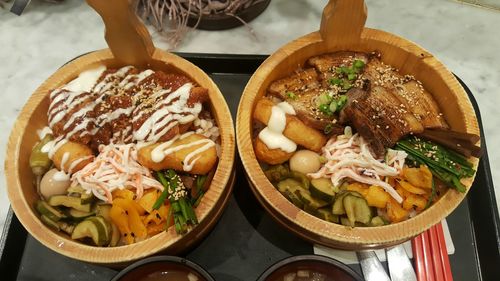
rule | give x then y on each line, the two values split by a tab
378	117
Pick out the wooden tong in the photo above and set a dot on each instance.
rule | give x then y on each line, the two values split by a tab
463	143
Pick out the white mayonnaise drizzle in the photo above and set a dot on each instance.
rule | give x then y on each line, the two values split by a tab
86	80
272	135
166	148
62	175
168	113
44	132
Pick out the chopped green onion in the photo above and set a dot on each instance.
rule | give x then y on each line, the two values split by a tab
358	64
346	85
325	109
328	129
333	107
351	76
342	100
291	95
335	81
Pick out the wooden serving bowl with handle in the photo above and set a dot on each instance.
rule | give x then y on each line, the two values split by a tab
130	44
342	28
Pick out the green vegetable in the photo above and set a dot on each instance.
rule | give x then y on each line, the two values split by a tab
39	161
328	129
324	98
433	194
183	212
50	212
79	215
358	64
346	85
351	76
95	228
326	214
341	101
357	209
333	107
198	186
304	181
335	81
70	202
338	204
277	173
377	221
323	188
446	165
325	109
291	95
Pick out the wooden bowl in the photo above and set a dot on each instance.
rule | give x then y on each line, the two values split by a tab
23	195
342	28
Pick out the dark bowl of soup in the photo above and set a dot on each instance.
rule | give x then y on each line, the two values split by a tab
161	268
309	267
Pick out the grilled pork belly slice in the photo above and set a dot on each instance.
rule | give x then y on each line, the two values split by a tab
327	63
301	80
379	117
408	91
422	104
301	90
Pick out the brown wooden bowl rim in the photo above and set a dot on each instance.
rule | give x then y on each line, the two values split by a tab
221	183
304	224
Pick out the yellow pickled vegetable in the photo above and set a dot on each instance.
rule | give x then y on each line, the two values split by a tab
419	177
377	197
120	218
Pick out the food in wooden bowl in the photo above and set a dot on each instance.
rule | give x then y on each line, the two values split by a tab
128	161
355	138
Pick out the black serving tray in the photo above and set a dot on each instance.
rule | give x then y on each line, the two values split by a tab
247	240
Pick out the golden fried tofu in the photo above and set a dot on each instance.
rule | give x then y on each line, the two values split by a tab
270	156
176	160
78	156
295	129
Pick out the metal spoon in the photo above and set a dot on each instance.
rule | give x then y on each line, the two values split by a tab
372	267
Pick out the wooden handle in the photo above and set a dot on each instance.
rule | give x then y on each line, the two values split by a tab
343	21
126	35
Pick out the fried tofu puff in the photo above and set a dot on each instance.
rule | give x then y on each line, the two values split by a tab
295	129
77	156
176	157
270	156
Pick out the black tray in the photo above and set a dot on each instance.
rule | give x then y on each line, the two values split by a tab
246	240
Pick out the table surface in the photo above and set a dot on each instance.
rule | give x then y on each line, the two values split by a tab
463	37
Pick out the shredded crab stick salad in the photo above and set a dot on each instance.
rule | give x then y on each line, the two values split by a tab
115	168
348	156
127	154
350	140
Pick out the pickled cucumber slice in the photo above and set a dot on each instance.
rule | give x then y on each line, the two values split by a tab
338	205
50	212
70	202
323	189
95	228
357	209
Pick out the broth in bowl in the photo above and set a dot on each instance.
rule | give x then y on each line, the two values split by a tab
163	268
309	268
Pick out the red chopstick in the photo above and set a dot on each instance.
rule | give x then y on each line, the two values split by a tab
429	266
444	253
418	257
436	253
431	256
